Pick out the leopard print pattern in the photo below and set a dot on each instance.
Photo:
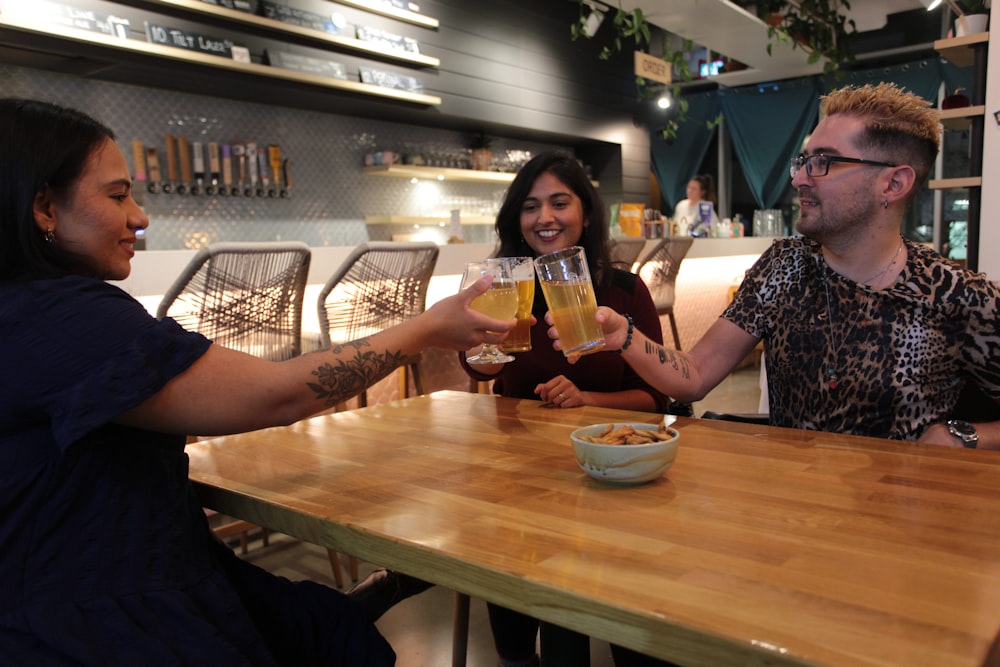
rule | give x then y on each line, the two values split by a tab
842	357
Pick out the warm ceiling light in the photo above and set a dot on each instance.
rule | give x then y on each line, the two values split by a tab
951	3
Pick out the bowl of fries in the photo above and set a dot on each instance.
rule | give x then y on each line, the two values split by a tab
625	453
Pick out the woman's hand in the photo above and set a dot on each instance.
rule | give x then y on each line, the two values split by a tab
454	325
562	393
614	326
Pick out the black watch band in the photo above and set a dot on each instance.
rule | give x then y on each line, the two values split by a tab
964	431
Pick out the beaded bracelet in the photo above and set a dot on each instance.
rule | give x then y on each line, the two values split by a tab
628	336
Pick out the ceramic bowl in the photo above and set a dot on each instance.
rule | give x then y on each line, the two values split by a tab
624	464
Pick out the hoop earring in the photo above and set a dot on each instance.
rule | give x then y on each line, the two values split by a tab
49	235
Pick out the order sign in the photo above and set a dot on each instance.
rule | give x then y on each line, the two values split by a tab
652	67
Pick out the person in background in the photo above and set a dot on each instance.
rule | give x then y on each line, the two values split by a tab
865	332
700	192
106	556
551	205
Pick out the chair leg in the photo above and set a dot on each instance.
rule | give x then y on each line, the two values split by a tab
460	631
352	568
335	566
418	384
403	382
673	328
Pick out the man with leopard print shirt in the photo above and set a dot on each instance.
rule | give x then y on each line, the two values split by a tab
865	332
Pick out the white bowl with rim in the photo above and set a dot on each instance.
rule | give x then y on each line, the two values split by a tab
624	464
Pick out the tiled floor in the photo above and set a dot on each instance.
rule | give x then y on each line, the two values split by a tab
420	629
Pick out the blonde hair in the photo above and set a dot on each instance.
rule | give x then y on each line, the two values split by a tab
900	127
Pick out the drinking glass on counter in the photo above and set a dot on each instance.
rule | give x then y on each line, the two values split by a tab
499	302
523	271
569	293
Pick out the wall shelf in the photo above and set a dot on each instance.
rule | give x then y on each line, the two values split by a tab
961	118
955	183
259	24
438	173
376	7
426	220
24	32
442	174
960	51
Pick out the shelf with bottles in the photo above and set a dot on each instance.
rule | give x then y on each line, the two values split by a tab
42	37
437	173
421	172
219	15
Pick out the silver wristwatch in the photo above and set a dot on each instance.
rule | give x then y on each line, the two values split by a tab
964	431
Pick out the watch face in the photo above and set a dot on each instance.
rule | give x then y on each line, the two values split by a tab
963	430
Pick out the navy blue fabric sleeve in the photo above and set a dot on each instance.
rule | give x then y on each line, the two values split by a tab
107	352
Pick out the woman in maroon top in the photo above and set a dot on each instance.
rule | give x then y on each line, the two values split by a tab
552	205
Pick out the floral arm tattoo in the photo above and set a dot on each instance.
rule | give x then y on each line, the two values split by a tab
336	382
676	361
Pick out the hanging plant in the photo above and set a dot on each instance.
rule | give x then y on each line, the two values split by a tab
820	27
631	30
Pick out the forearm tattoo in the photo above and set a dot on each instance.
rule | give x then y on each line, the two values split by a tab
670	357
345	378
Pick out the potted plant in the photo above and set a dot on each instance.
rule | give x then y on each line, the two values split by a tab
481	143
973	16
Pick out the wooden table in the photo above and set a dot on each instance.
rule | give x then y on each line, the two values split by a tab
759	546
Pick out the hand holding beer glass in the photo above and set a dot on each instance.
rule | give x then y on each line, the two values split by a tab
499	302
523	271
565	281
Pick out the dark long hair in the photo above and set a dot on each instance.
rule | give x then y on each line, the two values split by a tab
41	144
707	184
567	169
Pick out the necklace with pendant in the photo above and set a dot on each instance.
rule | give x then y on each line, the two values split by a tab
832	376
878	276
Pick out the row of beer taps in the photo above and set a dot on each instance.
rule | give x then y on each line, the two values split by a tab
210	168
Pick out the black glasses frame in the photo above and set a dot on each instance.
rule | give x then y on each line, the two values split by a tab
819	164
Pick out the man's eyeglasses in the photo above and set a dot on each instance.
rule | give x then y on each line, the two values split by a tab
819	164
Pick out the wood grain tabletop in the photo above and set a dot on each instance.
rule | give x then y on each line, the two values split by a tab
760	546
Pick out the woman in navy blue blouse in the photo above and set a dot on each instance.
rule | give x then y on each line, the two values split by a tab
106	557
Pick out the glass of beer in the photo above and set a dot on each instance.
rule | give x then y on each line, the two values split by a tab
523	270
499	301
569	293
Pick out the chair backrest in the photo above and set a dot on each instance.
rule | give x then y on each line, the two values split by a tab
625	251
245	296
660	267
379	285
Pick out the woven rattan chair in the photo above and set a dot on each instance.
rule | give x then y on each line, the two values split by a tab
379	285
245	296
659	271
625	251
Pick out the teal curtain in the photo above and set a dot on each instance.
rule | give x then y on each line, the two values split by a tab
768	123
674	162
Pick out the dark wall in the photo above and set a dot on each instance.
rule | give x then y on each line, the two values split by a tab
508	66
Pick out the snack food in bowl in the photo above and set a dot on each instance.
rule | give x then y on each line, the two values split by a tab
625	453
